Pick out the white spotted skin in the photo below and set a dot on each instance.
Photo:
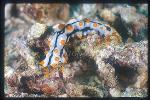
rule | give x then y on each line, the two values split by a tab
62	57
53	58
56	53
61	37
67	32
88	31
71	21
53	61
46	60
94	28
56	28
102	29
53	40
102	32
77	25
87	24
110	28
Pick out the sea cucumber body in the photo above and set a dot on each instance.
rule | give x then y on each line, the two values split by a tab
57	53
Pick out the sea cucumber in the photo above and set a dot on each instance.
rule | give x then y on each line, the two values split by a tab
62	33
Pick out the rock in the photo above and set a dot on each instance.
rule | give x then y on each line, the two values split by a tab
142	80
8	71
135	23
92	92
127	65
24	94
36	31
39	12
73	90
131	92
115	92
16	26
69	72
48	90
63	95
143	8
108	75
128	17
105	71
107	15
26	55
8	8
12	81
11	77
88	10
